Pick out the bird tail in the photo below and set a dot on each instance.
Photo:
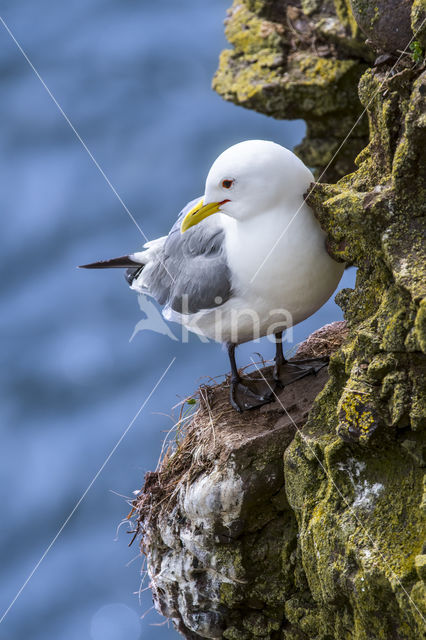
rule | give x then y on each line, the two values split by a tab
133	263
133	260
122	262
133	267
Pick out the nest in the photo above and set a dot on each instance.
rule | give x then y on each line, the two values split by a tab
324	341
206	432
208	429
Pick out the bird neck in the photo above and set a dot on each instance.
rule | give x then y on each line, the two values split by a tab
268	224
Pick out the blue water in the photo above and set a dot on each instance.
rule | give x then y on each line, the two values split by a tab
134	78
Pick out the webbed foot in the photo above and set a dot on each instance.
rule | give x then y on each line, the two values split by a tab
249	394
287	372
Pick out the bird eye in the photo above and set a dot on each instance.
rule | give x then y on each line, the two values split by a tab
227	184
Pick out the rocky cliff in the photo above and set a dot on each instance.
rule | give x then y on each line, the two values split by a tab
305	520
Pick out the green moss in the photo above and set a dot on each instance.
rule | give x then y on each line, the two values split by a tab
267	72
250	34
420	326
232	633
354	537
357	415
418	25
323	70
340	556
380	365
346	17
362	560
251	78
311	6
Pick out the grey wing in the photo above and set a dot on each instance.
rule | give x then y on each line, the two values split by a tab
190	272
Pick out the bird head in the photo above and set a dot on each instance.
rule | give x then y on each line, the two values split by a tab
250	178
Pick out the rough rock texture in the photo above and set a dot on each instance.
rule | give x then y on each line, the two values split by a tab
219	555
386	22
219	534
258	527
293	60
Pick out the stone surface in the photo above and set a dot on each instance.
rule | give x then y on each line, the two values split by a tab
386	23
257	528
268	525
220	547
299	61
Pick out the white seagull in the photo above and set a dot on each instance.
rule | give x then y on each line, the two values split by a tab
245	260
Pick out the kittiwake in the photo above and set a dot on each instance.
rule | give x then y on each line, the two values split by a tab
245	260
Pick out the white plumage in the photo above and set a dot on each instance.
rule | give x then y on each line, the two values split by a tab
275	249
246	260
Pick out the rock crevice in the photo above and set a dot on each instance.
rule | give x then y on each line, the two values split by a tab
305	520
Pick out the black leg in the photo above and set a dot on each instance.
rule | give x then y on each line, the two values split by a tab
279	357
287	372
246	395
235	376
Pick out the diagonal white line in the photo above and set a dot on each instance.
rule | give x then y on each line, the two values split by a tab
95	477
350	507
78	136
80	139
334	156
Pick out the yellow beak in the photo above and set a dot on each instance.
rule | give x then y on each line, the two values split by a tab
198	213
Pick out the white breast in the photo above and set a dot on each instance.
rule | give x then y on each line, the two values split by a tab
280	276
280	267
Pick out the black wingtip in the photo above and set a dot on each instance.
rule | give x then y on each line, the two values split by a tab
123	262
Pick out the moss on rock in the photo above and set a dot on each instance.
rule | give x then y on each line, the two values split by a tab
315	529
289	62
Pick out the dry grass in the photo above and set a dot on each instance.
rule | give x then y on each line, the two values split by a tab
324	341
208	429
205	433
